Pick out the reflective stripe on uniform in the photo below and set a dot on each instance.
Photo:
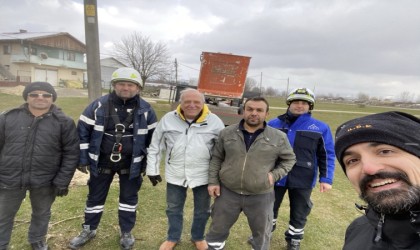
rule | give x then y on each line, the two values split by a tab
216	245
295	231
87	120
152	126
138	159
98	128
126	207
94	210
142	131
93	157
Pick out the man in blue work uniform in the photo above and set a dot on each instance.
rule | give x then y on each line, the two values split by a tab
313	146
115	131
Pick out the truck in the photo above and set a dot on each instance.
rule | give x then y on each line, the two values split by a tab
222	81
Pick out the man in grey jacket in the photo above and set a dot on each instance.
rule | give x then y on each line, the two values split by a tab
39	152
247	160
187	135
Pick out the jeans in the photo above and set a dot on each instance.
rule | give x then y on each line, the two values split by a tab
41	202
175	199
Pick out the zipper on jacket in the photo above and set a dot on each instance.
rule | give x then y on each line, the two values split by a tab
242	174
246	157
378	236
30	142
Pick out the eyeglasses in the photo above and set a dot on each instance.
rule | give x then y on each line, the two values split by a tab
35	95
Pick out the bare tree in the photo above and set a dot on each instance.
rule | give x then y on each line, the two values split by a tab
362	97
406	97
270	91
149	58
250	83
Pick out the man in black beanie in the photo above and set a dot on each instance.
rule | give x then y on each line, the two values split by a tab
380	155
39	153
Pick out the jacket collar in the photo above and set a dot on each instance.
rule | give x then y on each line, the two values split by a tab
401	230
202	116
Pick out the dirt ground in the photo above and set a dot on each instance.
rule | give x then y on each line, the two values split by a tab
79	179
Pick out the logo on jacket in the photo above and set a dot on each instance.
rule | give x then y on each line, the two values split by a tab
313	127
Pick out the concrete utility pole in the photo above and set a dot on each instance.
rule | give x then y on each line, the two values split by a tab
92	50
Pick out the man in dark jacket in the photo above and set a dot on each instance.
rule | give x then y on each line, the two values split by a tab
380	154
115	131
39	152
247	159
313	145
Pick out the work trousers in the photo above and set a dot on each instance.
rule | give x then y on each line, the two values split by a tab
175	199
10	201
128	199
300	207
226	210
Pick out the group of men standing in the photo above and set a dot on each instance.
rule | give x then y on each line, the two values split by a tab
246	167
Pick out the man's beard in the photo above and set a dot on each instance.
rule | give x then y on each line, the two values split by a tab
253	124
392	201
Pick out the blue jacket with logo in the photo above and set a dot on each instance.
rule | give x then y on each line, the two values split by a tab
313	146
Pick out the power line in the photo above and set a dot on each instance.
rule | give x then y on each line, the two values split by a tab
188	66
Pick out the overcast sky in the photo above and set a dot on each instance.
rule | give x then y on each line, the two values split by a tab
341	47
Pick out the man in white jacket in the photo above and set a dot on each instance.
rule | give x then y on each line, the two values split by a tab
187	135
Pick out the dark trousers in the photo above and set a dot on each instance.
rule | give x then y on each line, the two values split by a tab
300	207
128	199
226	210
41	202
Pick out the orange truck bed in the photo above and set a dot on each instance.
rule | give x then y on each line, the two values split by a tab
223	75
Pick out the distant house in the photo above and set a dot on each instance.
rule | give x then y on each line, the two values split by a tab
41	56
108	66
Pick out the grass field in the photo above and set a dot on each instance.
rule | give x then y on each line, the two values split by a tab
331	214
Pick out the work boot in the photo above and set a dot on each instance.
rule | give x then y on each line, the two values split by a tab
39	245
84	236
127	241
293	244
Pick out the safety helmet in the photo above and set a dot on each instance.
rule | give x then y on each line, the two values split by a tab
127	74
303	94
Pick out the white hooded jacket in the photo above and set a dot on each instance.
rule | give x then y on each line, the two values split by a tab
187	147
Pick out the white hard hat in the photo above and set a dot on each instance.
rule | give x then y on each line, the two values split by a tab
303	94
127	74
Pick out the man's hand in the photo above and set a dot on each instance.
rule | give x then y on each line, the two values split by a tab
61	191
83	168
324	187
155	179
214	190
271	178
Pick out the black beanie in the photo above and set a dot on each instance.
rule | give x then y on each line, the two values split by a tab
43	86
393	128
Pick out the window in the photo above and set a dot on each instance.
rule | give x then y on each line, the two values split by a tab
71	56
34	51
74	73
7	49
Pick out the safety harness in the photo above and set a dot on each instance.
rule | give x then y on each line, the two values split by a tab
119	131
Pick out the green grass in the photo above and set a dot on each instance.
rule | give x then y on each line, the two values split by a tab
331	214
